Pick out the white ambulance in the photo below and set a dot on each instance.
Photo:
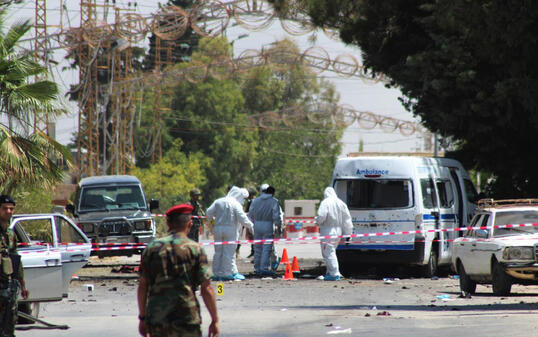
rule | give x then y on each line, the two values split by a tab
403	193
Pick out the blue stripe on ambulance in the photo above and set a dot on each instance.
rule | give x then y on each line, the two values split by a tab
380	221
426	219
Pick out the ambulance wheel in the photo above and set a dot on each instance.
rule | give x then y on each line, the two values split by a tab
344	263
430	270
29	308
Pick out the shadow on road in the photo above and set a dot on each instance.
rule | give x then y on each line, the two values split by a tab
430	307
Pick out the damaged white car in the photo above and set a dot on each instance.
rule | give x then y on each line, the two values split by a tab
504	251
52	249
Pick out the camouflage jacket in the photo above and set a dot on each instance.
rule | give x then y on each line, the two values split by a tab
174	267
197	211
8	246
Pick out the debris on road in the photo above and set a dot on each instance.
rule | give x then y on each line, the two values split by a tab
125	269
87	287
383	313
340	332
444	297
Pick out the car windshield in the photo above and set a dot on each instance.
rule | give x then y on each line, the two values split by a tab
515	218
108	198
377	193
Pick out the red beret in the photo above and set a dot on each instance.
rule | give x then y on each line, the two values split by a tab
180	209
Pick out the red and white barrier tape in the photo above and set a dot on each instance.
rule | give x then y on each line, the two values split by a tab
49	250
363	235
80	244
314	239
119	246
289	220
194	216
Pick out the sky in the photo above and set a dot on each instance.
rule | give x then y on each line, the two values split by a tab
353	91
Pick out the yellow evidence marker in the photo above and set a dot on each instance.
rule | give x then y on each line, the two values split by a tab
220	288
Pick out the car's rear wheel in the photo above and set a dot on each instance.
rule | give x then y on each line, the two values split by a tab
501	282
466	284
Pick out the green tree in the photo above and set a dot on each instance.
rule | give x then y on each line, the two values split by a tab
34	200
217	117
467	68
25	160
209	118
289	150
171	179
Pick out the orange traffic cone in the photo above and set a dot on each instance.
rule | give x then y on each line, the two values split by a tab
288	275
295	265
285	258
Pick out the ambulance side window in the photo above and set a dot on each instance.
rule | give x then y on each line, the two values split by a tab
429	199
446	194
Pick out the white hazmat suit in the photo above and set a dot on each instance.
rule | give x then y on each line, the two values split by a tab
229	216
265	213
333	219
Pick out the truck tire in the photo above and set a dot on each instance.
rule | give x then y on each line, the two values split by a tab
466	284
501	282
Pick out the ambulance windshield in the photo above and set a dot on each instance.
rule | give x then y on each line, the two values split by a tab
377	193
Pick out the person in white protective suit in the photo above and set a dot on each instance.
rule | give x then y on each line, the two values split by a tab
229	216
333	219
265	213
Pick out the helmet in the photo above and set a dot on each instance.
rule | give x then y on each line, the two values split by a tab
194	192
252	191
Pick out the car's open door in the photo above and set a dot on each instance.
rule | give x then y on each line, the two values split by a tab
74	246
42	266
55	232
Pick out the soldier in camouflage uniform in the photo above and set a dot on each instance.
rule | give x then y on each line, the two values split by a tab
11	274
197	212
171	269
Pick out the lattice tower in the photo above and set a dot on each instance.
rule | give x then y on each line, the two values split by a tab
88	122
119	138
161	48
41	46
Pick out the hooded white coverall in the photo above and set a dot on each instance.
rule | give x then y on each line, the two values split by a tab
229	216
333	219
265	213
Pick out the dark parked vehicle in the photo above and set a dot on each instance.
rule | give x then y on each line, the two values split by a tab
113	210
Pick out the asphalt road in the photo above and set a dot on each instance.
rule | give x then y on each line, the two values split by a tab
362	306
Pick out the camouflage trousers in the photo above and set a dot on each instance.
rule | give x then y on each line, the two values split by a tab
171	330
8	307
194	233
